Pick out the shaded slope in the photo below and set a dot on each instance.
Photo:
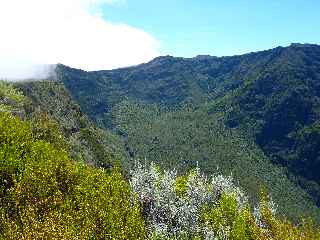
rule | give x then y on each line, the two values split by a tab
50	100
46	195
280	109
185	138
269	97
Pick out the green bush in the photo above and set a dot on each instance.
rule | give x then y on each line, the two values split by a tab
45	195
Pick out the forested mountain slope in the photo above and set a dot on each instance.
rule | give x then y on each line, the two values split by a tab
45	194
268	100
51	106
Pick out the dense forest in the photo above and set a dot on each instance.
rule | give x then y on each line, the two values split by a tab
177	148
47	194
254	116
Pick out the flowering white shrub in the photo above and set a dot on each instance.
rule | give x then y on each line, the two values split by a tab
257	211
222	184
172	215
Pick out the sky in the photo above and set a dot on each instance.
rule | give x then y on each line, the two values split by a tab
107	34
191	27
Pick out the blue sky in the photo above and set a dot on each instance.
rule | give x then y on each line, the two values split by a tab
108	34
188	28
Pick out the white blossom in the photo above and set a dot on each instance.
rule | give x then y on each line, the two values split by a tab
169	214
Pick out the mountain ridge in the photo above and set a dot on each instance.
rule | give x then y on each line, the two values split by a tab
154	108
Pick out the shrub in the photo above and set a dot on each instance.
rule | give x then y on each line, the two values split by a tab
45	195
172	204
195	207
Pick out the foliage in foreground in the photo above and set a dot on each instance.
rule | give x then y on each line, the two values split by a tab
180	139
45	195
195	207
11	100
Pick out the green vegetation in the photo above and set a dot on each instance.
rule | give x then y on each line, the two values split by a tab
240	224
206	208
44	194
263	106
53	111
183	139
11	100
276	107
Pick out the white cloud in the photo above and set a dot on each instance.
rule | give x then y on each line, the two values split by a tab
71	32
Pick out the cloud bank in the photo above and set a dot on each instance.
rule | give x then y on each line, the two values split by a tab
71	32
